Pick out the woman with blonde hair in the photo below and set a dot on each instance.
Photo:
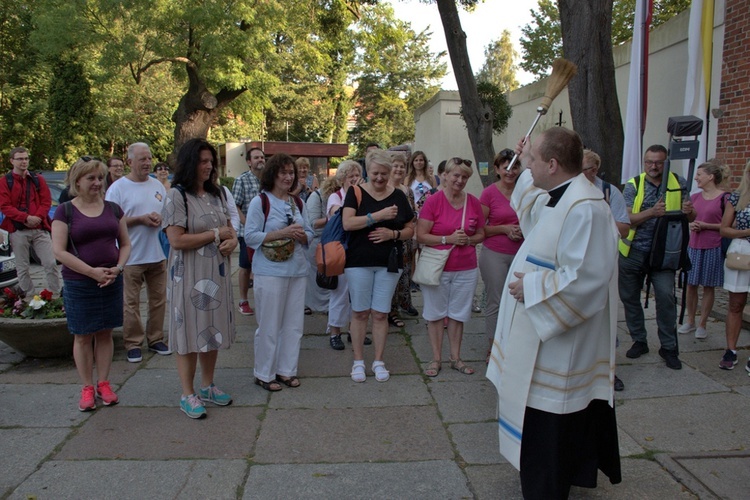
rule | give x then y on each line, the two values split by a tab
378	220
90	239
348	173
735	224
704	249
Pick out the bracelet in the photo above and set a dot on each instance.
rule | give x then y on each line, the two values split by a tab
370	220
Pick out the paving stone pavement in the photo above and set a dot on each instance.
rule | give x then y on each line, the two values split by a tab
683	434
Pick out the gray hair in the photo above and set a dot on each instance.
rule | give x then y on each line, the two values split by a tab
134	146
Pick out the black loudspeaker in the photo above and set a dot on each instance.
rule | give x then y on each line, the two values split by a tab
681	126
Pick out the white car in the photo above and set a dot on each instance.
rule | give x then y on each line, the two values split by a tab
8	273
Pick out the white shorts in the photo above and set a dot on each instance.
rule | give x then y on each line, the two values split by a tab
452	298
737	281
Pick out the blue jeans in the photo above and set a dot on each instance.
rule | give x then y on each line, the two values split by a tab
632	273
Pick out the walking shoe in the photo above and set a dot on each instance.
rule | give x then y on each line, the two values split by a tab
638	350
106	394
134	355
87	401
245	309
160	348
686	328
670	356
192	406
619	386
213	394
728	360
701	333
336	343
368	340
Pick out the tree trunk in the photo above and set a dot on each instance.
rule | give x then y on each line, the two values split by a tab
477	115
198	109
586	27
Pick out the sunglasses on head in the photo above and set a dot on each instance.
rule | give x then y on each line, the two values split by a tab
90	158
459	161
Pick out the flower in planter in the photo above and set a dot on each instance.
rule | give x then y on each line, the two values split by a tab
41	306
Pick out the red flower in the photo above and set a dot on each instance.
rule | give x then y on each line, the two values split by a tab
46	295
9	293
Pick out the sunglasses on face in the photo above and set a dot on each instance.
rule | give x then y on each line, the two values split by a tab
162	167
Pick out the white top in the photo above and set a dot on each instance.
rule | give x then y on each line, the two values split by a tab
234	214
139	198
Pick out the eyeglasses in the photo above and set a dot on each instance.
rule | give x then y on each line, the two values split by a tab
25	158
459	161
650	163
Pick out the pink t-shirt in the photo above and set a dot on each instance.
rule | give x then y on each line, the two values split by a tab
447	219
500	215
708	211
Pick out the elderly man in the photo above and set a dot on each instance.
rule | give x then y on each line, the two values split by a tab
142	199
645	206
25	201
554	350
247	187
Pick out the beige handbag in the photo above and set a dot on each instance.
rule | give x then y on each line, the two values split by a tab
431	261
738	261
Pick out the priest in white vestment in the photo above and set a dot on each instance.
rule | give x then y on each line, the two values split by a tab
553	355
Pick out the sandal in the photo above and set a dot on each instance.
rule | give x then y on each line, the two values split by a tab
394	320
358	372
272	386
381	374
433	368
289	382
461	367
308	311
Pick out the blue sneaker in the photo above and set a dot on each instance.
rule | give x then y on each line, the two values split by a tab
192	406
213	394
160	348
134	355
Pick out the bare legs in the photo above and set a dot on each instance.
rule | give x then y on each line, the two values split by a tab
734	318
186	366
707	303
455	335
96	347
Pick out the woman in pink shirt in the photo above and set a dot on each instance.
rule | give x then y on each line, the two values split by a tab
451	218
503	237
704	249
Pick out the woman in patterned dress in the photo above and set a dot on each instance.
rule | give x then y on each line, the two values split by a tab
202	240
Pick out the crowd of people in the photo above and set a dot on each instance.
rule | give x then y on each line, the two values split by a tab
535	225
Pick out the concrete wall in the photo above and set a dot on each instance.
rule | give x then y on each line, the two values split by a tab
441	133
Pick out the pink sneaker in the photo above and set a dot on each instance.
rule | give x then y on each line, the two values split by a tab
245	309
87	402
106	394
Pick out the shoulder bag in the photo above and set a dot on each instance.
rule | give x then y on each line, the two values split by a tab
431	261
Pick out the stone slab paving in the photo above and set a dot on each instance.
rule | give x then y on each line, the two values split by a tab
40	405
22	450
656	380
416	480
352	435
123	433
722	475
135	479
466	400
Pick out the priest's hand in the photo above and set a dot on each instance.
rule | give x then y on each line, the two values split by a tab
516	287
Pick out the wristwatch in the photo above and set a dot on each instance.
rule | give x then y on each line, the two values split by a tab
442	240
121	269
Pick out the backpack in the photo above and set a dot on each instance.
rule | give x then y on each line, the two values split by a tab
669	248
9	180
330	256
266	205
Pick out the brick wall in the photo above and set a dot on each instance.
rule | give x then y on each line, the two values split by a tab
733	134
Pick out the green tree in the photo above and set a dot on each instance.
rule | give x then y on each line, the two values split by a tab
499	64
541	41
396	74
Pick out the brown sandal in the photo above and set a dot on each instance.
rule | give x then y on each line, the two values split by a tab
272	386
289	382
433	368
461	367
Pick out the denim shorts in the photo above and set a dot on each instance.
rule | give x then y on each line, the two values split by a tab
90	309
371	288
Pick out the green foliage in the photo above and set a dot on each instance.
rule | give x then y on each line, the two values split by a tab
499	68
493	95
397	73
227	182
542	40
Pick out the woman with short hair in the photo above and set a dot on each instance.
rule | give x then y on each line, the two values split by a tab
451	219
378	219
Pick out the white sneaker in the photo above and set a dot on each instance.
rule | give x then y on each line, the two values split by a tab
686	328
701	333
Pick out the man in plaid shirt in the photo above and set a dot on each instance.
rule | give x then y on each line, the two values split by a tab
246	187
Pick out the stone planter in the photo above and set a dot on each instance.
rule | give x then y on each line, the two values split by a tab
38	338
